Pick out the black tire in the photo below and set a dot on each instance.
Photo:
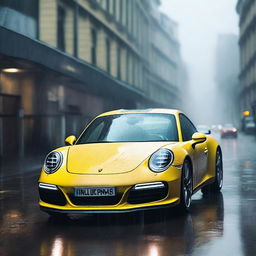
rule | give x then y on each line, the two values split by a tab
216	186
186	188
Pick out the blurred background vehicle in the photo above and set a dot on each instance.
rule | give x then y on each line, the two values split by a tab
228	130
248	124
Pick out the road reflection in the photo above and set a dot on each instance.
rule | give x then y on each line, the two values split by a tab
248	206
150	233
230	145
209	229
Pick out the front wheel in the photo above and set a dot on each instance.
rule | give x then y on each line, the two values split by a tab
186	186
218	182
217	185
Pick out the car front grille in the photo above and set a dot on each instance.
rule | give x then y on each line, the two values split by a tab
147	195
97	201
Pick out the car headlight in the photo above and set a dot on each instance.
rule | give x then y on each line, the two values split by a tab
161	160
53	162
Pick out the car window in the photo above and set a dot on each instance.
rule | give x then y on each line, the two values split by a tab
131	128
187	128
95	135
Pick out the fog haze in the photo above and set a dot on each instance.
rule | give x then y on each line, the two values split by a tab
200	23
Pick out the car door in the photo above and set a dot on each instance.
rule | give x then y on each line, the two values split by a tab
200	152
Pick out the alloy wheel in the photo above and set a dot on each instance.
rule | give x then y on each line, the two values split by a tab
219	169
187	184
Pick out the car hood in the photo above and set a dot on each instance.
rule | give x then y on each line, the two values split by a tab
109	158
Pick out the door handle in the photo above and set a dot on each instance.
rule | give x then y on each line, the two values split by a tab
206	151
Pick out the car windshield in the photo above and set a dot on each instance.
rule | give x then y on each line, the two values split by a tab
131	128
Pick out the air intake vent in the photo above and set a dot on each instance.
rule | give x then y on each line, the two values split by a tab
148	192
52	162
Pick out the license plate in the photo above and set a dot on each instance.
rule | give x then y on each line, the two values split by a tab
94	191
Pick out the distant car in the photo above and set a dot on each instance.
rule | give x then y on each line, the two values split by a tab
248	124
203	129
228	130
130	160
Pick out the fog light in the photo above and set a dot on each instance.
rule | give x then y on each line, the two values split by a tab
150	185
48	186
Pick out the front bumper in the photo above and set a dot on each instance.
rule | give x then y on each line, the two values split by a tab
145	208
125	201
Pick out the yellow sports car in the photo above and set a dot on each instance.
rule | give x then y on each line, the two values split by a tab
129	160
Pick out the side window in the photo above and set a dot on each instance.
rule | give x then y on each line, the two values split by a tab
187	128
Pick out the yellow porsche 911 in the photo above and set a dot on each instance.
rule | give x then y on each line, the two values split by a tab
129	160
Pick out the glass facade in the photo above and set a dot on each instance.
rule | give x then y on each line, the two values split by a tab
20	16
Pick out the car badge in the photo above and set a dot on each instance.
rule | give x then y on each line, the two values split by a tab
100	170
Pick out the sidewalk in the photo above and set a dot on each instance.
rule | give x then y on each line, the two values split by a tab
19	166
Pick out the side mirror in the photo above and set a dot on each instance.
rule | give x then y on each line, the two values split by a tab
70	140
198	138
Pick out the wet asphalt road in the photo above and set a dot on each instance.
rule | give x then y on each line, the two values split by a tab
220	225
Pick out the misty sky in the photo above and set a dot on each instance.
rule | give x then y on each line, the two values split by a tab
200	23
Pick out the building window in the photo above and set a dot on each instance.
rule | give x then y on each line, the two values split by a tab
108	55
20	16
111	7
124	13
93	46
108	6
61	28
130	26
127	66
101	3
127	13
134	71
120	11
119	62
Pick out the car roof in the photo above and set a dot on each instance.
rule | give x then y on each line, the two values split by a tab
143	111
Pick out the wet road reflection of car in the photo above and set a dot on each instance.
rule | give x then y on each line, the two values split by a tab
149	233
223	225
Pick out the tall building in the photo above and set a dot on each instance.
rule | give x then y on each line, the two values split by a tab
226	78
65	61
247	42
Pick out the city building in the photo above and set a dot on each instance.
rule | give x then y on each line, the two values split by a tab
247	42
226	78
65	61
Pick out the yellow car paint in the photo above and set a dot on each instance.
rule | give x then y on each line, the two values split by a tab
123	165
